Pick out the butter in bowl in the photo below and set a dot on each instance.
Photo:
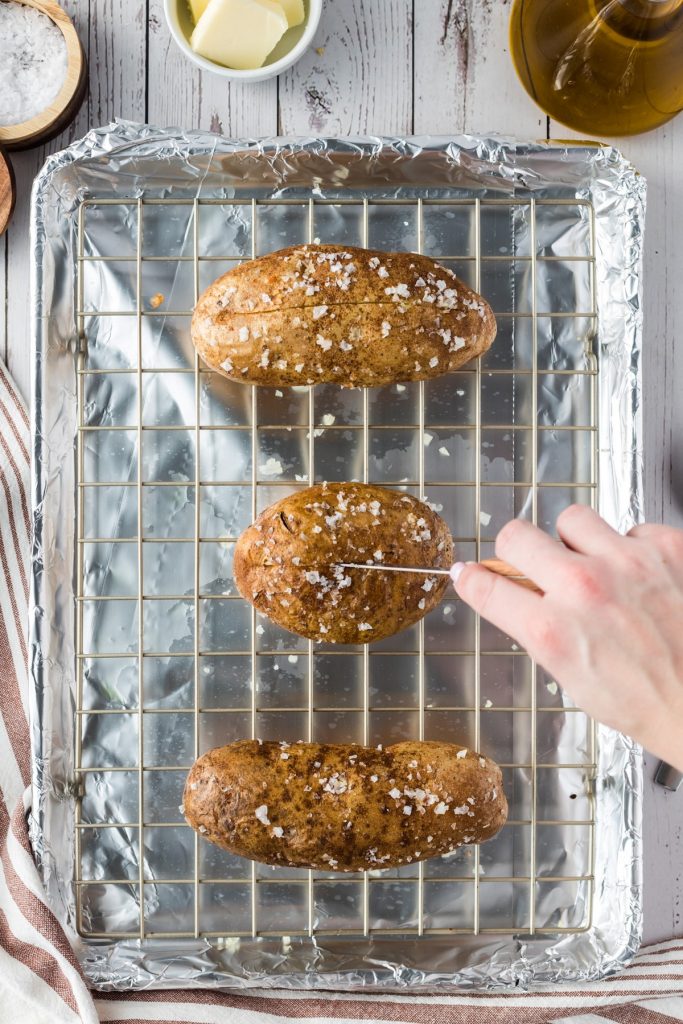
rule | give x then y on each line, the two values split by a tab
249	40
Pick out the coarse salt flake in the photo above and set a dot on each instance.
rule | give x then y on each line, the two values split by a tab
319	311
395	793
400	291
462	753
271	467
262	814
336	784
363	627
278	831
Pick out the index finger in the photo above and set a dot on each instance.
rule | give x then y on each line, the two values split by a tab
535	553
504	603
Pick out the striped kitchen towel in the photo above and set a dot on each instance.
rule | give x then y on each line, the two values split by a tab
40	978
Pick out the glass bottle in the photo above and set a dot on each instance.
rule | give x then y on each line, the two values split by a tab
602	67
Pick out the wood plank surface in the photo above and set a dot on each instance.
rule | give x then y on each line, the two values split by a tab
462	72
374	68
357	77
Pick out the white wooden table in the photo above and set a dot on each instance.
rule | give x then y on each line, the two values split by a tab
382	67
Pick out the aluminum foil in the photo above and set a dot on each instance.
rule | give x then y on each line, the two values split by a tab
128	161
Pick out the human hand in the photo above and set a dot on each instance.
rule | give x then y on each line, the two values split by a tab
609	624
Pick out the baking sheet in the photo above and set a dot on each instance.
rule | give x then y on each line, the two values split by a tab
552	236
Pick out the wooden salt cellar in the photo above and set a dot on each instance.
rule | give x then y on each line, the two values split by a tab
7	191
55	117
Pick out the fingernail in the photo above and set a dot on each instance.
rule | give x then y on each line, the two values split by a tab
456	571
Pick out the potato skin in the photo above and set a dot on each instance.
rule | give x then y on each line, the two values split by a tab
318	313
286	563
344	807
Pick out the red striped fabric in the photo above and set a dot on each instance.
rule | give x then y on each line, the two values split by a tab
40	977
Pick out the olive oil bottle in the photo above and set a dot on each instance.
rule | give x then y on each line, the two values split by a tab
602	67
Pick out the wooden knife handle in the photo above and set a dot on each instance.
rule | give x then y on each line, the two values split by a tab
502	568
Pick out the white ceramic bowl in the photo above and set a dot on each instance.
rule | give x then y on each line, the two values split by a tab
293	44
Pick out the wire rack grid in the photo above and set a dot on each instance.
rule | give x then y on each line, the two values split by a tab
398	689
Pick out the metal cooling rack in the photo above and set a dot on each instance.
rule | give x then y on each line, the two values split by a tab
457	896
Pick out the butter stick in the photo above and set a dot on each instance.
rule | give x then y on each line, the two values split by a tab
294	11
197	8
239	33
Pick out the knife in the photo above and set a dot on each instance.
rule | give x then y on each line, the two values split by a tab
495	565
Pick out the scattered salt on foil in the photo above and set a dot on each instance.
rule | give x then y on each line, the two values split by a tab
32	62
271	467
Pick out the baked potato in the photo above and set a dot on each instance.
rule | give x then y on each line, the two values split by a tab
344	807
288	563
318	313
